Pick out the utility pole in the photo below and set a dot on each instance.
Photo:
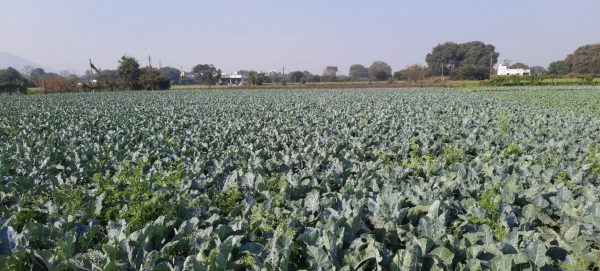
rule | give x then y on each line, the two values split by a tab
149	61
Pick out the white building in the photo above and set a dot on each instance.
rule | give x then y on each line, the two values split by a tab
233	79
505	70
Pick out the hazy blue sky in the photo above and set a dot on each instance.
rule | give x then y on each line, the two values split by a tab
306	35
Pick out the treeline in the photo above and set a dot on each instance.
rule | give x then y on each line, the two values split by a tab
458	61
128	76
585	60
579	67
455	61
466	61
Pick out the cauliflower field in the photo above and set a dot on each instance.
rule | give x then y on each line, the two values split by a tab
567	98
397	179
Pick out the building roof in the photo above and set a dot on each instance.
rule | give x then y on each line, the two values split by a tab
232	76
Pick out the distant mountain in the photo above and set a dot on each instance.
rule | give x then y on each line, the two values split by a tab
18	62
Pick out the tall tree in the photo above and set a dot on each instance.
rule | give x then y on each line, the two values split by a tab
69	75
172	73
399	75
380	70
296	76
519	65
256	78
152	79
315	78
560	67
478	53
538	70
12	76
274	77
470	72
413	72
26	70
207	73
358	72
36	75
443	57
450	55
307	77
107	75
330	73
129	73
37	72
243	72
585	60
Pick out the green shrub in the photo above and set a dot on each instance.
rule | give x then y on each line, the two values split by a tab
12	89
470	72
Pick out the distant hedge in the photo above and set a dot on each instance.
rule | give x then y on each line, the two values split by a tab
12	89
538	80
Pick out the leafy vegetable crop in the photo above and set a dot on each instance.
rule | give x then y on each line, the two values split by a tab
285	180
580	99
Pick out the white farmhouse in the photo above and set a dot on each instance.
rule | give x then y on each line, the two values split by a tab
505	70
233	79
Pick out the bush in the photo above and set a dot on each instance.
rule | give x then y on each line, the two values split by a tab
538	80
12	89
413	72
12	76
152	79
103	86
470	72
58	84
586	79
256	78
